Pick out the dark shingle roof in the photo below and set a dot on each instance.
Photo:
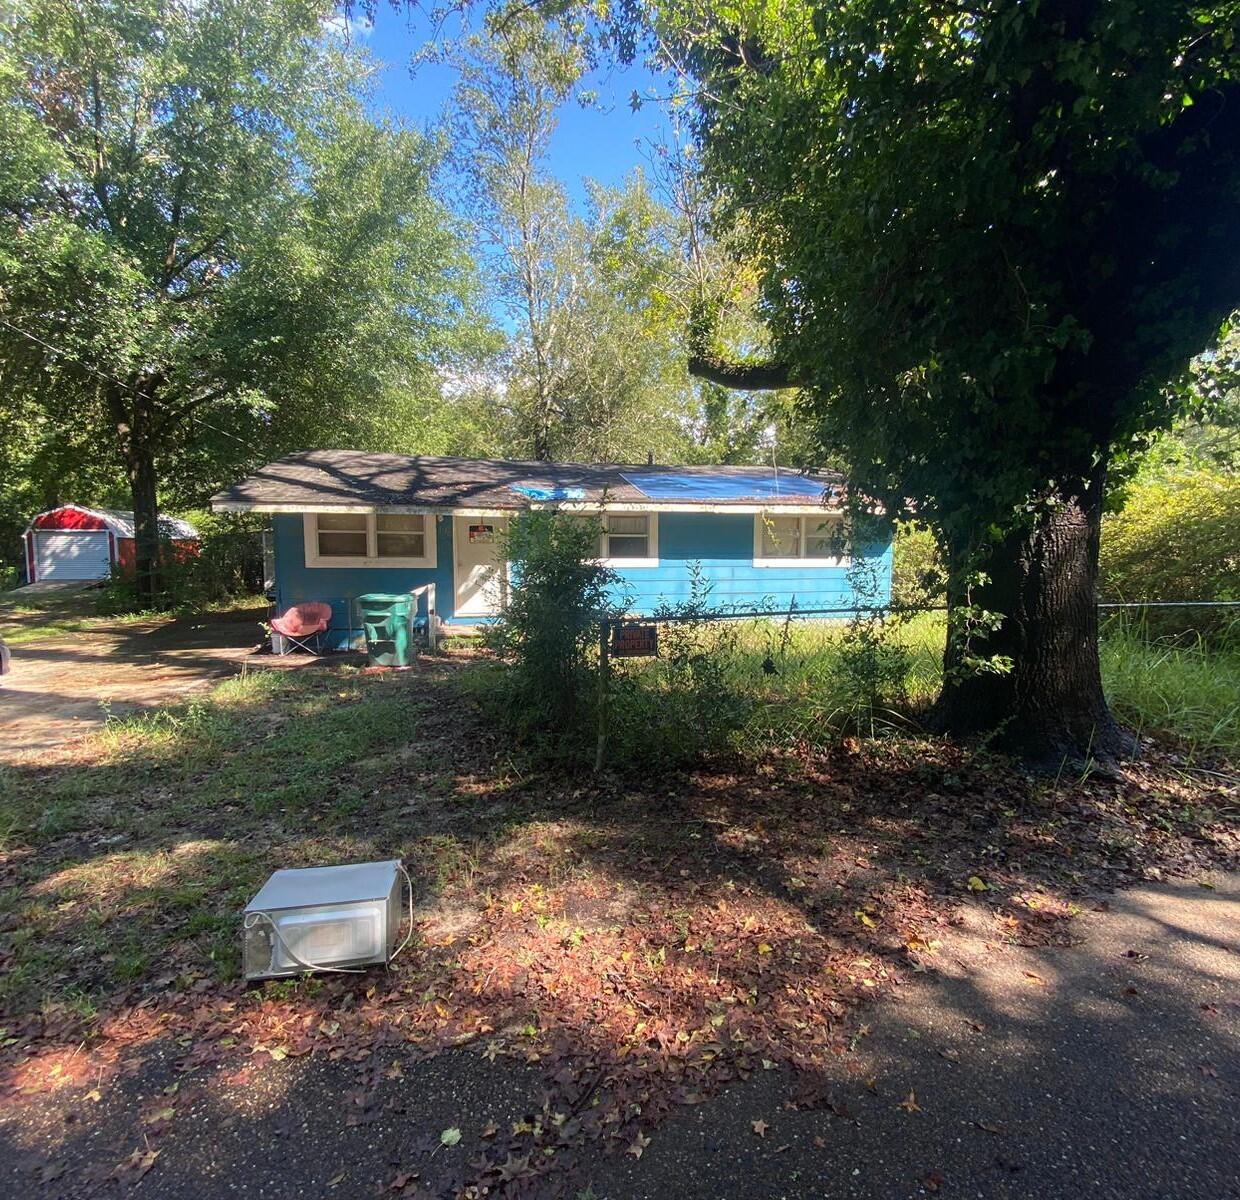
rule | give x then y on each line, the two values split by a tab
322	478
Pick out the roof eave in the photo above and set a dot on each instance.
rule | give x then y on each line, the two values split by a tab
575	506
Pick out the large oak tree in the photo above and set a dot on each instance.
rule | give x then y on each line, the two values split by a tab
991	234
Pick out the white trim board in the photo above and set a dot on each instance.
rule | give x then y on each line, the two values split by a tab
573	507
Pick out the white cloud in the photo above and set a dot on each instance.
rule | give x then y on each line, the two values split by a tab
347	28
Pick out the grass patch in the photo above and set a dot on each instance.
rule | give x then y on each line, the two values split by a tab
138	849
1186	687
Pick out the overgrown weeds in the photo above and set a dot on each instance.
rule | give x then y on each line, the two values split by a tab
1185	686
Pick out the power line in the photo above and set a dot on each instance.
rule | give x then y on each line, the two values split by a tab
62	353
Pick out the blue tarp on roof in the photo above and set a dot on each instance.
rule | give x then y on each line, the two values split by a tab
760	485
549	493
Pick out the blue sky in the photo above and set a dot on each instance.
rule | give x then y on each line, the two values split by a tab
600	142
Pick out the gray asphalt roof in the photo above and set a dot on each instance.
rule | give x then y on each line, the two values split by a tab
318	478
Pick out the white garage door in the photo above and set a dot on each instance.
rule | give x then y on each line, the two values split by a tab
75	555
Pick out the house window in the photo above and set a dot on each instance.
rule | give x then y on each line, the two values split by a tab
369	540
626	536
341	535
815	540
625	539
400	535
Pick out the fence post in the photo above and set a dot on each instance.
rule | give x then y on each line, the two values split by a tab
604	671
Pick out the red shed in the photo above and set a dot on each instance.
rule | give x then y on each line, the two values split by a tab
72	542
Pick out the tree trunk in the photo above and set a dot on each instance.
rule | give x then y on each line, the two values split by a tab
136	437
1048	706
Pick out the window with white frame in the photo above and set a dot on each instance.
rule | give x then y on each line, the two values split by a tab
369	539
816	539
626	539
627	536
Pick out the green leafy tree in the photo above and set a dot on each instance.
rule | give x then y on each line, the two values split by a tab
206	248
989	237
593	369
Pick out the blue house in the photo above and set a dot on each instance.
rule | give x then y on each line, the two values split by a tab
346	523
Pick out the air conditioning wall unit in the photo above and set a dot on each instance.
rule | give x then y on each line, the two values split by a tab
323	918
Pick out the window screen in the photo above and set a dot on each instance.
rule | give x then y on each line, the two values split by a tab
781	537
401	535
628	536
342	535
824	539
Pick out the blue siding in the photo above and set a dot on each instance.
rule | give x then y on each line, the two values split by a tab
340	586
721	543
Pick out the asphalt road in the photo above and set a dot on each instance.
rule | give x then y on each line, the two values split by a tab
1109	1069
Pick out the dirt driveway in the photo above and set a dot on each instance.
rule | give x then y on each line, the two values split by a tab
65	687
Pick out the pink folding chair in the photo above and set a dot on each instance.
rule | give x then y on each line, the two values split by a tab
303	624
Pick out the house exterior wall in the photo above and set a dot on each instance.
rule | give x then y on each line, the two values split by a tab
340	586
721	544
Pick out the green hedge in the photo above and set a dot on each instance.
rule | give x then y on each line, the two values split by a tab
1176	538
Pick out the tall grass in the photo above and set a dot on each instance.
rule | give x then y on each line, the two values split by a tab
1183	685
783	684
770	685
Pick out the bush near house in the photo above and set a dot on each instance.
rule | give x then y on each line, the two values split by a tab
917	576
228	566
544	689
1176	538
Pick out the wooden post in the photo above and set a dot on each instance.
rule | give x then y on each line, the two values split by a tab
604	671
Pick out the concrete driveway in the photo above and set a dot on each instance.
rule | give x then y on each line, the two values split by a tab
64	687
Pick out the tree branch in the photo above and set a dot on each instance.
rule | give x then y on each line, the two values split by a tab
743	375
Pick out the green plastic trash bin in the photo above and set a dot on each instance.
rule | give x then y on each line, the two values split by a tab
388	621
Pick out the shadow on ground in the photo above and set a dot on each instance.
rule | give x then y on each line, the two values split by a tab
735	984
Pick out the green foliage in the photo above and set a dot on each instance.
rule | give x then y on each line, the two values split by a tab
594	370
873	664
209	253
1185	687
920	188
1176	538
227	567
917	572
546	692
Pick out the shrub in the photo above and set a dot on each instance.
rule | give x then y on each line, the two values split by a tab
1176	538
873	664
917	576
546	692
686	704
228	565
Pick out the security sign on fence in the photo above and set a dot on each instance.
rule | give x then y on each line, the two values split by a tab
634	641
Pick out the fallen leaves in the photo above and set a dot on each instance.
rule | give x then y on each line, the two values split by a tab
653	965
136	1165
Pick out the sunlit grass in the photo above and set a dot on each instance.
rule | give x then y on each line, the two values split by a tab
1183	686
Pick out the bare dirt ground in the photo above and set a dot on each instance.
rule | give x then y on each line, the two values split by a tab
64	687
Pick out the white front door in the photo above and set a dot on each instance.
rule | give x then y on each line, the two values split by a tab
479	569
